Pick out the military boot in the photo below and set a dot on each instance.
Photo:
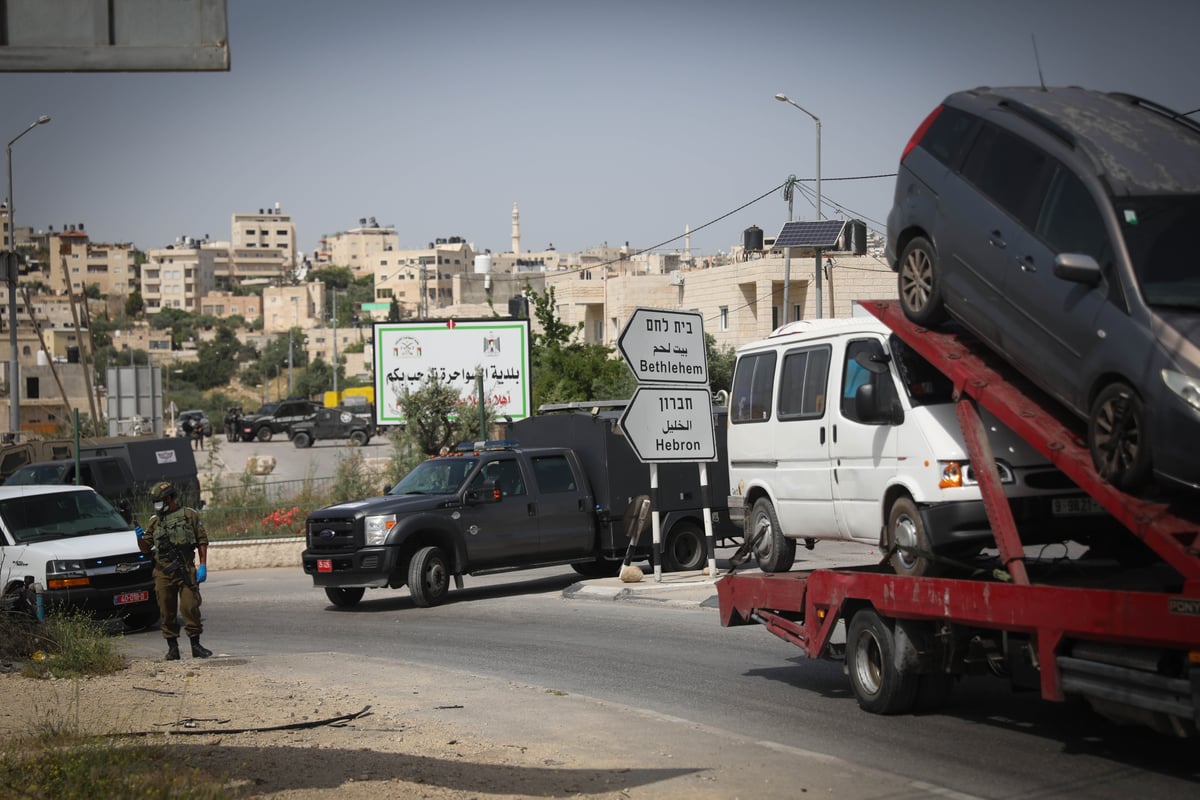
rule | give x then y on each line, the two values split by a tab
172	650
199	650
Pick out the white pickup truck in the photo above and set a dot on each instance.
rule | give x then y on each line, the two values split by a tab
70	546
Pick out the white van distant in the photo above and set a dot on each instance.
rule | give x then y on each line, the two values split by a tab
838	430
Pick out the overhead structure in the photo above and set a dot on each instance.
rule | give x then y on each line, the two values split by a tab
114	36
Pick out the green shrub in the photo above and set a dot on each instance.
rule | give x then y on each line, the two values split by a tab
74	644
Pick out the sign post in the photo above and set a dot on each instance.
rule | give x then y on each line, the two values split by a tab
669	418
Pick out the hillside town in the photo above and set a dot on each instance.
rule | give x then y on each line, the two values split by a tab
260	282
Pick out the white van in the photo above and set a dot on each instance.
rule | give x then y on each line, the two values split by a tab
78	551
838	430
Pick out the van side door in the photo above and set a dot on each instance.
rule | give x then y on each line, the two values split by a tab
864	451
800	441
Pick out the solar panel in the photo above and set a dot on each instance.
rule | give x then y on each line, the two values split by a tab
825	233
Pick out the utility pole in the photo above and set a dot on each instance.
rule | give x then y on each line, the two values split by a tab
333	318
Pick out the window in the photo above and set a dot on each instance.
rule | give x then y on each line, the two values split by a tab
1070	221
802	383
724	318
949	135
1009	170
553	474
753	380
507	475
855	375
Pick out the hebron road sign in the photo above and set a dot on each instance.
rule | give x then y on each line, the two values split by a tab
665	347
670	423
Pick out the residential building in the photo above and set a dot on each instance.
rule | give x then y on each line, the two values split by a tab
224	304
71	254
364	250
287	307
177	276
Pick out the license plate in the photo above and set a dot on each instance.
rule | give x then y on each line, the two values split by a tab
1074	506
124	598
324	565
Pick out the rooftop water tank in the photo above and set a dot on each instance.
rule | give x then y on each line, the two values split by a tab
483	263
752	238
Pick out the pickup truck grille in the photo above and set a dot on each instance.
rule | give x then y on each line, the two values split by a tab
331	535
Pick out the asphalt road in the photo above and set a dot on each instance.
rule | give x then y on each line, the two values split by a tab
679	665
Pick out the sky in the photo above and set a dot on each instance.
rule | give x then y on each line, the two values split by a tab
606	121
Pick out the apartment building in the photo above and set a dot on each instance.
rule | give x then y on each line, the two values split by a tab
225	304
71	255
422	280
286	307
177	276
364	250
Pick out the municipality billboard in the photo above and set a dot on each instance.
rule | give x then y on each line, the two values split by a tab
453	351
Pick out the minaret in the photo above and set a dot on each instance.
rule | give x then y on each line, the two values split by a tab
687	242
516	235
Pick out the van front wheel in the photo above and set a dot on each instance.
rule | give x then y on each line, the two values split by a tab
911	546
774	551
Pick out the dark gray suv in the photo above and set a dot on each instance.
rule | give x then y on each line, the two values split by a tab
1058	225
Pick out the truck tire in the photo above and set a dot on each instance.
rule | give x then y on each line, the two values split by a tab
359	438
344	598
263	434
880	687
685	548
301	440
774	551
910	542
428	577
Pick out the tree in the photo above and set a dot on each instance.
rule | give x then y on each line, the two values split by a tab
720	364
134	304
554	332
394	311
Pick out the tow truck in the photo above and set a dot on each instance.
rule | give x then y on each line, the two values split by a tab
1121	633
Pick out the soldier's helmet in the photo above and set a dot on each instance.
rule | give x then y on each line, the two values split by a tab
162	491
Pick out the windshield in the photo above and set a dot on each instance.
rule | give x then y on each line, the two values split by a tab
60	515
267	409
1160	233
436	476
31	476
924	384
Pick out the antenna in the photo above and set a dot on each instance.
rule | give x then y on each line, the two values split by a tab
1038	61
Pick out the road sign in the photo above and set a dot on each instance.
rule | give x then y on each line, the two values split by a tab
665	347
670	423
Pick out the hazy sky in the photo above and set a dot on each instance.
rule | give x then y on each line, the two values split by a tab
608	121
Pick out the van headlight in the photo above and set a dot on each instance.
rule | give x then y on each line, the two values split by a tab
378	528
66	575
1184	386
956	474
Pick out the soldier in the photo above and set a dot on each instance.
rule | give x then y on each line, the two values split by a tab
175	535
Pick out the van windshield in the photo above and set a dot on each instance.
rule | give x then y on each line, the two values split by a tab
61	515
1160	234
37	474
924	384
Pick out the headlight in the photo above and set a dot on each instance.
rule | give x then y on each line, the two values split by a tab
65	575
956	474
1182	385
377	528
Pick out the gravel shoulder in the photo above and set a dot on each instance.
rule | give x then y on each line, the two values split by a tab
425	734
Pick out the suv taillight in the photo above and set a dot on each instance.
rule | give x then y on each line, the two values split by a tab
919	133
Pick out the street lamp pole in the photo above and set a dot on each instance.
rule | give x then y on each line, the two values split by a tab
14	407
783	98
291	337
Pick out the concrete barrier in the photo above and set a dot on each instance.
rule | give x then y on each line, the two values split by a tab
255	553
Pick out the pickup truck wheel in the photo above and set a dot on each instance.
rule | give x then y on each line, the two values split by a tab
774	551
880	687
919	284
301	440
344	598
1117	437
359	438
686	549
910	542
263	434
428	577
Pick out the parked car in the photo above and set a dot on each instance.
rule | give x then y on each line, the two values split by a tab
1057	224
276	417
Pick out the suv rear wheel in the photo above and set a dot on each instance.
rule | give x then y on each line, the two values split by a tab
919	283
263	434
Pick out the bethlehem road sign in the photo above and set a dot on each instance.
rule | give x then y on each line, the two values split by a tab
665	347
670	423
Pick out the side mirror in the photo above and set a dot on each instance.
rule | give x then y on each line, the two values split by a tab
488	493
876	410
125	510
1077	268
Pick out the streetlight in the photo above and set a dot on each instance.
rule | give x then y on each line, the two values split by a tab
14	407
783	98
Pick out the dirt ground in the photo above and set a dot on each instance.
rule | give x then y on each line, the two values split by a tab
422	735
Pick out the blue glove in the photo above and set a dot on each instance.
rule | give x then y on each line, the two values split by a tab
139	531
201	573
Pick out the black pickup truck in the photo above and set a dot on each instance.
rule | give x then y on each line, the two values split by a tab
491	509
502	505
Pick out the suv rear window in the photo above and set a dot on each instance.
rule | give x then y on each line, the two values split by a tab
1009	170
949	135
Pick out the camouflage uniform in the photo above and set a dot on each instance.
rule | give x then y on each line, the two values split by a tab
183	529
